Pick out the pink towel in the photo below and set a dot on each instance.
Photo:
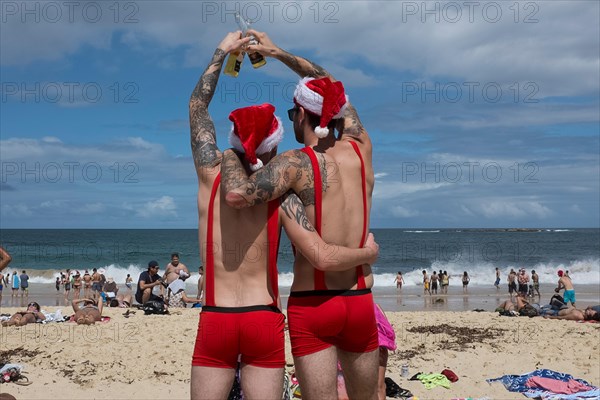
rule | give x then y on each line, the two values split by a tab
556	386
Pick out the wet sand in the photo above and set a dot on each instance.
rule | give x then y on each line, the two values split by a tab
409	298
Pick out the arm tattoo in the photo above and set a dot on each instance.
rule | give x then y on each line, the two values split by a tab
202	130
289	170
233	174
352	124
294	210
303	67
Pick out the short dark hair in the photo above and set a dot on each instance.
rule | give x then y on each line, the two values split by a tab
174	255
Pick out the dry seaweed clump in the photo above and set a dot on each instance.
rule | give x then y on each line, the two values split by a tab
454	337
16	355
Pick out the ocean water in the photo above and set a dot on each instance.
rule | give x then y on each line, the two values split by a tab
45	252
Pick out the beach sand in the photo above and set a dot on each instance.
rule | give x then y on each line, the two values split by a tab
145	357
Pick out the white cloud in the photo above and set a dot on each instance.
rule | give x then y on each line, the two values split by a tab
91	208
403	212
384	33
512	209
395	189
162	207
19	210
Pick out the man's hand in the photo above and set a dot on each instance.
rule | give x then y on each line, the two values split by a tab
233	41
373	246
265	45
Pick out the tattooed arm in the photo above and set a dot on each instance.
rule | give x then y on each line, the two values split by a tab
350	125
289	170
299	65
323	256
202	130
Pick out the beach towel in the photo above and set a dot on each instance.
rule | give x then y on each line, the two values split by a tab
53	317
518	383
432	380
559	387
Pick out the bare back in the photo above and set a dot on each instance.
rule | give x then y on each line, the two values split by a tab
240	249
342	211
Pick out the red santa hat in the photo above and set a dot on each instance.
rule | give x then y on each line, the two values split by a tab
256	130
321	97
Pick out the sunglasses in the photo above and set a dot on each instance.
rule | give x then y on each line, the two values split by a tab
292	113
32	305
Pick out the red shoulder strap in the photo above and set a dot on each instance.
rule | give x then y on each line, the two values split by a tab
209	273
319	276
359	271
273	234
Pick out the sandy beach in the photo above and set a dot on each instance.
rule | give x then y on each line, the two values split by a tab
144	357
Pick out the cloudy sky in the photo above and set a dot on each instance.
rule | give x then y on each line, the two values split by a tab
482	114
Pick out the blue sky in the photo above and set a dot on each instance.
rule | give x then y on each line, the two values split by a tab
482	114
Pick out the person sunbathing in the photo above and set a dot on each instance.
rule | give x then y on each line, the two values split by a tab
508	305
30	316
89	313
122	301
574	314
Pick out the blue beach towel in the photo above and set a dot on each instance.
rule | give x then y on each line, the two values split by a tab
517	383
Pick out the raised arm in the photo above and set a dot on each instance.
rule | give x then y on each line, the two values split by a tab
287	171
202	130
299	65
350	125
323	256
5	258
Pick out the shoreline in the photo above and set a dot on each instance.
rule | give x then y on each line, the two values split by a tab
409	298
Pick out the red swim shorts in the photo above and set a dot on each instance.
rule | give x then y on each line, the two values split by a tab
255	333
319	319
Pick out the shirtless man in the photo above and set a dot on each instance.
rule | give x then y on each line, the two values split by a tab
512	282
434	282
535	278
96	284
573	314
175	269
331	315
426	283
89	313
564	282
5	258
497	282
239	252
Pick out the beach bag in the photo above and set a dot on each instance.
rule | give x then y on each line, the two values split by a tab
154	307
557	302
